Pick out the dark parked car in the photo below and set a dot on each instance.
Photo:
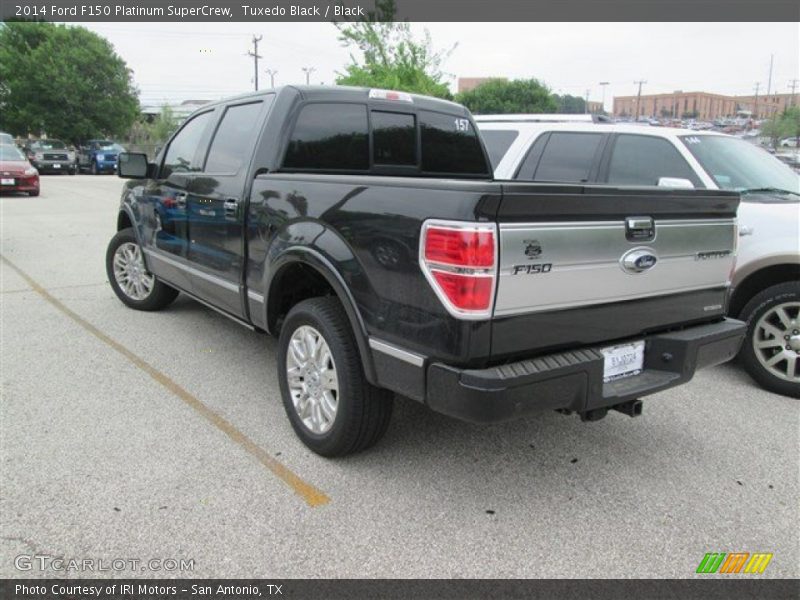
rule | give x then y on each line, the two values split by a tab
497	298
16	173
53	156
99	156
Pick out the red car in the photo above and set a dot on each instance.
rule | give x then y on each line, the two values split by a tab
16	173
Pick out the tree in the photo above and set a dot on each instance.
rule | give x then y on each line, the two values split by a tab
785	124
64	81
391	58
499	96
570	105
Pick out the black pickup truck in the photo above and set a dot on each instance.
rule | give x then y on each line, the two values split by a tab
363	227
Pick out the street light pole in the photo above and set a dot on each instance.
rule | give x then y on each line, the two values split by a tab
639	98
603	85
308	71
271	73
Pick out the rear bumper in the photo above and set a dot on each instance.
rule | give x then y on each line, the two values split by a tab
574	380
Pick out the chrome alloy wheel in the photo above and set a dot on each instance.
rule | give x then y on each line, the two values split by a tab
311	375
130	272
776	341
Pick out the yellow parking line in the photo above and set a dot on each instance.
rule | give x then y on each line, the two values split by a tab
312	495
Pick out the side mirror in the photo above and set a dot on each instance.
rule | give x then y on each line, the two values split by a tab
676	183
132	165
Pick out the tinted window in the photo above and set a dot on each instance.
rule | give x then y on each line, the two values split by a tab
450	145
497	144
330	137
643	159
568	157
234	138
184	146
394	138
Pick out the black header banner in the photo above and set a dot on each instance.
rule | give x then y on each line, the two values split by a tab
407	10
731	588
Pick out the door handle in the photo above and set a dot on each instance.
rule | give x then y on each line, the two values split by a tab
180	199
230	207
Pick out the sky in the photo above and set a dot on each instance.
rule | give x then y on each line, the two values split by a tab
173	62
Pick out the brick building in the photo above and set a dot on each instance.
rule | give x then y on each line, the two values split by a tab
700	105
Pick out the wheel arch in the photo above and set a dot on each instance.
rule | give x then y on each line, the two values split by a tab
760	280
302	272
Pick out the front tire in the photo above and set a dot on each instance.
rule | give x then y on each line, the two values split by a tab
129	278
331	406
771	350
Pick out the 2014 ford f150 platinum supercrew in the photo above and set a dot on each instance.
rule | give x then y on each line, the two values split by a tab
363	227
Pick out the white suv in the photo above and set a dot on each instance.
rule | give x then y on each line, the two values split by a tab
766	283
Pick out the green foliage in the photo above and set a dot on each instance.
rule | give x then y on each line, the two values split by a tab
570	105
154	133
785	124
64	81
391	58
499	96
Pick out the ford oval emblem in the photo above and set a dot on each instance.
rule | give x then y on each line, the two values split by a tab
638	260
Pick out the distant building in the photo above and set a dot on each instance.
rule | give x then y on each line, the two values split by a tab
466	84
595	107
699	105
180	110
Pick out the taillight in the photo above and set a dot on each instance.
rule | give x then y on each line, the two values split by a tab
460	262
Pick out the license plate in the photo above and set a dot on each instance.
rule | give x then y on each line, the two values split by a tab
6	181
624	360
56	166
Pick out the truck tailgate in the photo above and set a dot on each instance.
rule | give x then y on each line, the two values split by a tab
585	264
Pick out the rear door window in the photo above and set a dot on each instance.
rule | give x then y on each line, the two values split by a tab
329	137
233	141
563	156
644	159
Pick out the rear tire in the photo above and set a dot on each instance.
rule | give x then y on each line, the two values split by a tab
33	194
767	355
131	282
331	406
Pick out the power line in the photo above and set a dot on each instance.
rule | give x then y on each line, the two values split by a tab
255	56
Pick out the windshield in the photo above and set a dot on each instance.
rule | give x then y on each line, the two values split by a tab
50	145
8	152
738	165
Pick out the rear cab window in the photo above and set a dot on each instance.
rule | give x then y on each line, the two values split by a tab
401	139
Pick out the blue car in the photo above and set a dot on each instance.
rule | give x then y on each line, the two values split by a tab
99	156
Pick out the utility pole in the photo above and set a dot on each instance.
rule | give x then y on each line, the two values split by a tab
769	81
638	97
792	86
755	104
271	73
255	56
308	71
603	85
586	104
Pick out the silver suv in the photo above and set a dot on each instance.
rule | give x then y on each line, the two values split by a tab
766	283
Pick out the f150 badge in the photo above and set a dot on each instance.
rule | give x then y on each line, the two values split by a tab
638	260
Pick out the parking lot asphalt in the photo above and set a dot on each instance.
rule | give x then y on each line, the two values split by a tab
130	435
